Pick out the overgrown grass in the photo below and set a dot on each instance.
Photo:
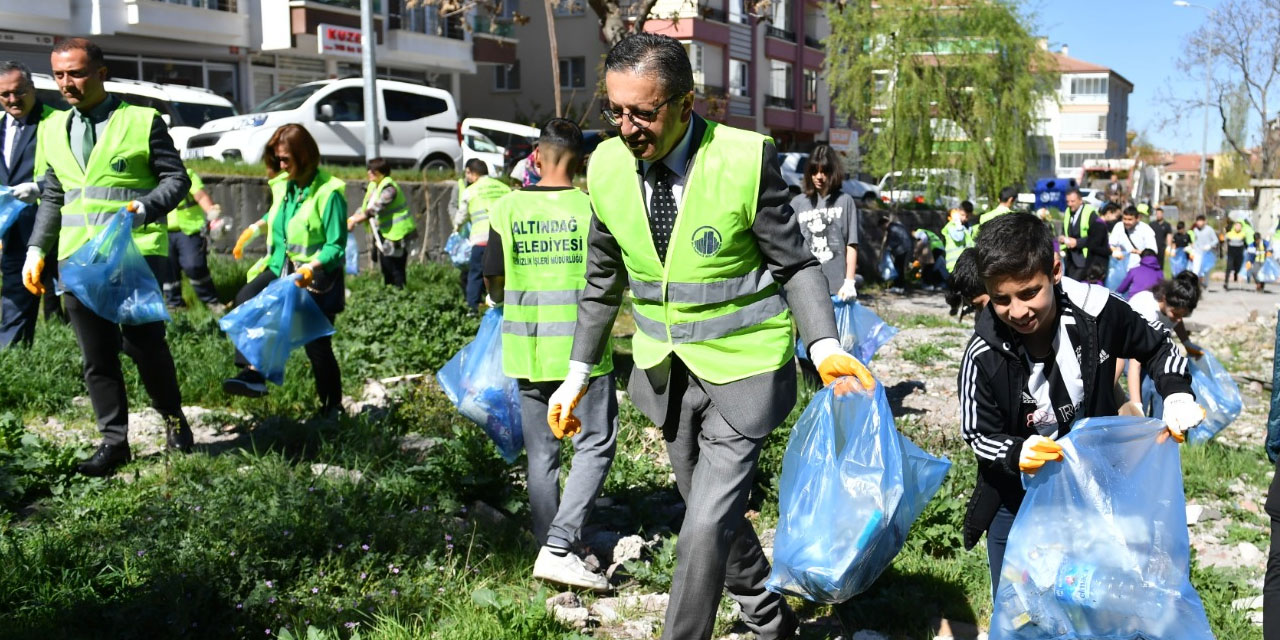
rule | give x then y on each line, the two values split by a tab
924	354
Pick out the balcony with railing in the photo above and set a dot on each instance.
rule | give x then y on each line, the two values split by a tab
426	19
218	22
781	34
814	43
780	102
485	26
419	34
1083	135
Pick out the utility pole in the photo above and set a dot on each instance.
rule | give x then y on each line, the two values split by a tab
369	69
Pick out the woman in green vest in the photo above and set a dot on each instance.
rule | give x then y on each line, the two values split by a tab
306	234
390	222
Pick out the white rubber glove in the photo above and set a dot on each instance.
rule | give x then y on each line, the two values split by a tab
848	291
1181	413
561	403
489	302
139	213
27	192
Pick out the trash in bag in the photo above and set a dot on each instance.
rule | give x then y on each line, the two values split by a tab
110	277
888	271
352	254
475	384
458	246
860	330
1178	263
10	207
1116	271
1203	263
270	325
1099	547
1268	271
850	489
1217	393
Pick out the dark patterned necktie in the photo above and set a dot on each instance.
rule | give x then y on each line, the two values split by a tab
662	209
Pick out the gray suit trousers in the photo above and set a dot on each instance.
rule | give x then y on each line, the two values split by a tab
717	548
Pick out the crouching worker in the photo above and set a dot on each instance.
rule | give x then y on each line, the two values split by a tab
536	264
306	231
1044	355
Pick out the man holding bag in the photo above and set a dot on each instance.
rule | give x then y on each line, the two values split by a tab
694	217
105	155
387	211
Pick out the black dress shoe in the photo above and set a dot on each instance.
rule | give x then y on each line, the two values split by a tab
177	434
105	460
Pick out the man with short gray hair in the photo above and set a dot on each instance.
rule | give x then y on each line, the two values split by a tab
23	113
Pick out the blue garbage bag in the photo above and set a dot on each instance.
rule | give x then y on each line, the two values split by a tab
270	325
888	271
860	330
10	207
1116	271
1203	263
475	384
1099	547
458	246
1269	271
352	255
1178	263
110	277
1217	393
850	489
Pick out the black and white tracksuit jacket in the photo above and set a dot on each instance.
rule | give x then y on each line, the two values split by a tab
994	414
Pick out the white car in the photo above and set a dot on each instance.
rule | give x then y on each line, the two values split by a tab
938	187
497	143
792	165
186	109
419	125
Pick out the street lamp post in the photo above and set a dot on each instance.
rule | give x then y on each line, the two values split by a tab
369	69
1204	136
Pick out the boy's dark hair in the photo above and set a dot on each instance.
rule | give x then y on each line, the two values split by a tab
379	166
1095	273
1008	192
1182	292
968	207
1015	245
965	280
825	158
1108	208
1147	252
1181	225
562	133
1200	217
477	166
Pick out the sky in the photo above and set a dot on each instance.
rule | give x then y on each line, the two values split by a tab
1141	40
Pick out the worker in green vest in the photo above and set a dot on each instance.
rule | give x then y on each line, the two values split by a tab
189	248
306	234
1008	196
480	194
1084	238
104	155
534	266
956	237
694	217
390	221
929	258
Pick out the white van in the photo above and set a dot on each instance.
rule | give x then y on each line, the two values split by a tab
186	109
938	187
497	143
419	125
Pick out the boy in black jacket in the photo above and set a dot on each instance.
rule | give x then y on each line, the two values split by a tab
1044	354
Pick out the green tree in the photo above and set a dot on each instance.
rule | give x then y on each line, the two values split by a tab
956	87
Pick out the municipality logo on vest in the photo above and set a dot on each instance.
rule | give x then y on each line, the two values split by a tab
706	241
119	164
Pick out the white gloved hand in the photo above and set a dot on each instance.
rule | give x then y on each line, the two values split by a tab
561	403
214	212
848	291
139	213
1181	413
27	192
489	301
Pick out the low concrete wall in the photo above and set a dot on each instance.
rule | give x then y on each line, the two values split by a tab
245	199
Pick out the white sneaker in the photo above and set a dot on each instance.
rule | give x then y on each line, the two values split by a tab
568	569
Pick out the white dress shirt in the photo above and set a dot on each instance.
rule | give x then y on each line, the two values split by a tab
11	133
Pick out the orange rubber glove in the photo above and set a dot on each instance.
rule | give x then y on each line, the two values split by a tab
839	365
305	276
565	398
1036	451
245	238
31	272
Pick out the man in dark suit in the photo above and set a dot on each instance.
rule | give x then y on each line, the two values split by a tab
1085	240
694	217
22	115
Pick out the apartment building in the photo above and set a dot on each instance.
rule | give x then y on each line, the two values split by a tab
248	50
1087	118
758	72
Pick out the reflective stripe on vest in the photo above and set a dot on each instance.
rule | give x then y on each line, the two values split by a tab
118	170
954	247
541	297
539	329
712	303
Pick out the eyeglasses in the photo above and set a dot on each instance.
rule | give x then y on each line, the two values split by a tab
641	119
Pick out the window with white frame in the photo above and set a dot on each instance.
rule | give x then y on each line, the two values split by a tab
573	73
506	77
739	74
737	11
1075	160
1089	86
780	14
780	85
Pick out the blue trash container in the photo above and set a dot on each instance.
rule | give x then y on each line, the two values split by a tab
1051	193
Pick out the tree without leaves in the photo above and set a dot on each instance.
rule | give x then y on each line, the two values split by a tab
1242	38
961	88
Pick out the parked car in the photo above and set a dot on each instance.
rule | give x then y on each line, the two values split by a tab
943	188
419	125
792	165
499	144
186	109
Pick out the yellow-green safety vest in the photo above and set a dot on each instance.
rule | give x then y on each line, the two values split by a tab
41	165
992	215
481	195
118	171
712	302
544	250
304	232
394	222
953	247
1087	213
934	241
188	217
